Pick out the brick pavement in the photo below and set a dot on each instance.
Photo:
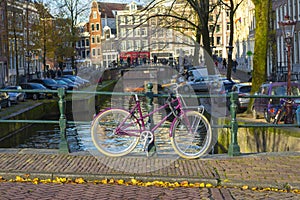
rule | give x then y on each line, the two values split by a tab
227	174
11	190
255	170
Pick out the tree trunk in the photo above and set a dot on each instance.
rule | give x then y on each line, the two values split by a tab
262	8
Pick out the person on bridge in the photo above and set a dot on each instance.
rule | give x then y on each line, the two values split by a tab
224	63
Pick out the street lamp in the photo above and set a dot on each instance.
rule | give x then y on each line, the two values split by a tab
287	26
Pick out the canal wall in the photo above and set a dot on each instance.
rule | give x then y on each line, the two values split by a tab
37	111
264	139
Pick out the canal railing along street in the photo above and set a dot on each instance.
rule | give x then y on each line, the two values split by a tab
231	123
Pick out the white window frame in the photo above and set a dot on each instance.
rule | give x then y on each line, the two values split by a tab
129	46
144	32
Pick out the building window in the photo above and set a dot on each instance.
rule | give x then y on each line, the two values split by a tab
129	20
153	21
93	27
94	15
97	27
123	45
129	32
99	52
82	43
93	40
145	45
98	39
122	19
94	52
137	45
137	32
129	45
143	31
218	40
211	27
87	42
136	20
227	13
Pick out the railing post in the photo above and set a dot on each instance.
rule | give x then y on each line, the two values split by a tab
233	149
149	95
63	145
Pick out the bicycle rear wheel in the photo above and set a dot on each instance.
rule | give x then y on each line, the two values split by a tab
104	134
191	135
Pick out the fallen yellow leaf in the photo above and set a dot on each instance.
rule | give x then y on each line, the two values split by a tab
19	179
134	181
79	180
245	187
120	181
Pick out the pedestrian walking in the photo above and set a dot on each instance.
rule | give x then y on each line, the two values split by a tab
216	63
234	65
224	63
155	59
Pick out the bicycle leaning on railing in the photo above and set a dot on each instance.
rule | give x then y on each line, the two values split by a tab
282	112
116	132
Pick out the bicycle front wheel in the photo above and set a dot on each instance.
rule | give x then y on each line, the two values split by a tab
115	132
191	135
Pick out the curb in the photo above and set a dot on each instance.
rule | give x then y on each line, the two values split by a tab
92	177
128	177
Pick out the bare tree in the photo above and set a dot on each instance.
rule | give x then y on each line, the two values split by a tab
73	10
232	6
187	16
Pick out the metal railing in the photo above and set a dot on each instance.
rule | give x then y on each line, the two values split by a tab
233	125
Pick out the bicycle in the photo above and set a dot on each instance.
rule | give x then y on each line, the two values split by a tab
116	132
281	113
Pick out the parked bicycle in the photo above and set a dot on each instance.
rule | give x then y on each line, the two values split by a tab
116	132
282	112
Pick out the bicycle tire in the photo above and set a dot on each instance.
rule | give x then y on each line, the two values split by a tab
104	138
278	116
190	145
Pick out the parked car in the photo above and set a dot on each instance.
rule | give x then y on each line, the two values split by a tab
16	97
70	85
4	100
199	84
68	80
38	94
243	89
77	79
268	106
48	83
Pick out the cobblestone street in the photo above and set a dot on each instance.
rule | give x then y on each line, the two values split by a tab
92	191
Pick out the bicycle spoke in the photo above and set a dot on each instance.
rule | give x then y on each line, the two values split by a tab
191	136
108	139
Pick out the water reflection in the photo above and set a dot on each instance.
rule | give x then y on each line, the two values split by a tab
42	136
